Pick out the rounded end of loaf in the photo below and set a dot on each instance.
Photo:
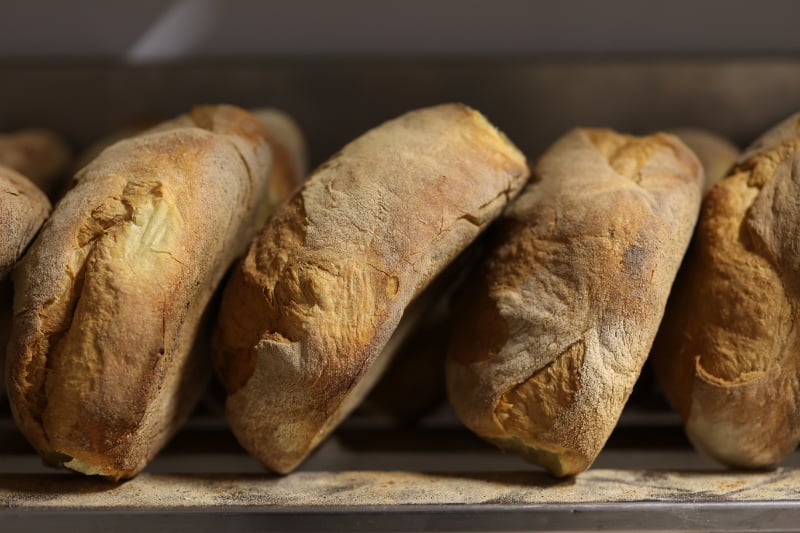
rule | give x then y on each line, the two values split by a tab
716	153
39	154
749	422
486	132
558	461
288	134
89	467
23	209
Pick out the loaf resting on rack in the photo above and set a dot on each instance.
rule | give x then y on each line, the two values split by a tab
548	337
112	293
313	314
728	353
554	328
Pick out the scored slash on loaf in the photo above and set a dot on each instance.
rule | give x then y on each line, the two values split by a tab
555	326
103	367
307	317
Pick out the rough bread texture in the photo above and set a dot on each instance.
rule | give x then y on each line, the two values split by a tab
555	326
41	157
38	154
727	355
307	316
23	209
716	153
101	367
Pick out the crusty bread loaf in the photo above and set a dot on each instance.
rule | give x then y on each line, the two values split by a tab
307	321
284	129
23	206
23	209
112	292
554	328
727	353
40	155
716	153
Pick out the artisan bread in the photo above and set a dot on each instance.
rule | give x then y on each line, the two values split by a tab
554	327
716	153
727	353
23	209
40	155
307	320
110	296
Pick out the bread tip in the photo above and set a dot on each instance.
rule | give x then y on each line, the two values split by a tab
558	463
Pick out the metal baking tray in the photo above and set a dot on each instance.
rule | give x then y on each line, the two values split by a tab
437	476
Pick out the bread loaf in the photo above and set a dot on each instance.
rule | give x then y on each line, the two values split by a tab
112	293
553	329
716	153
307	320
727	353
40	155
23	209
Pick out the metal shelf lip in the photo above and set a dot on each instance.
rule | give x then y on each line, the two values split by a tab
631	516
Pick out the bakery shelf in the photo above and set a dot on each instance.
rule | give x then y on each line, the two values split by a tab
369	475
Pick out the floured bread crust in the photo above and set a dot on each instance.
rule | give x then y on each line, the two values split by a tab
101	368
727	357
554	328
23	209
23	206
305	319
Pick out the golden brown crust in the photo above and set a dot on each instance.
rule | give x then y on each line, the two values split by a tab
305	319
111	294
727	356
559	320
38	154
